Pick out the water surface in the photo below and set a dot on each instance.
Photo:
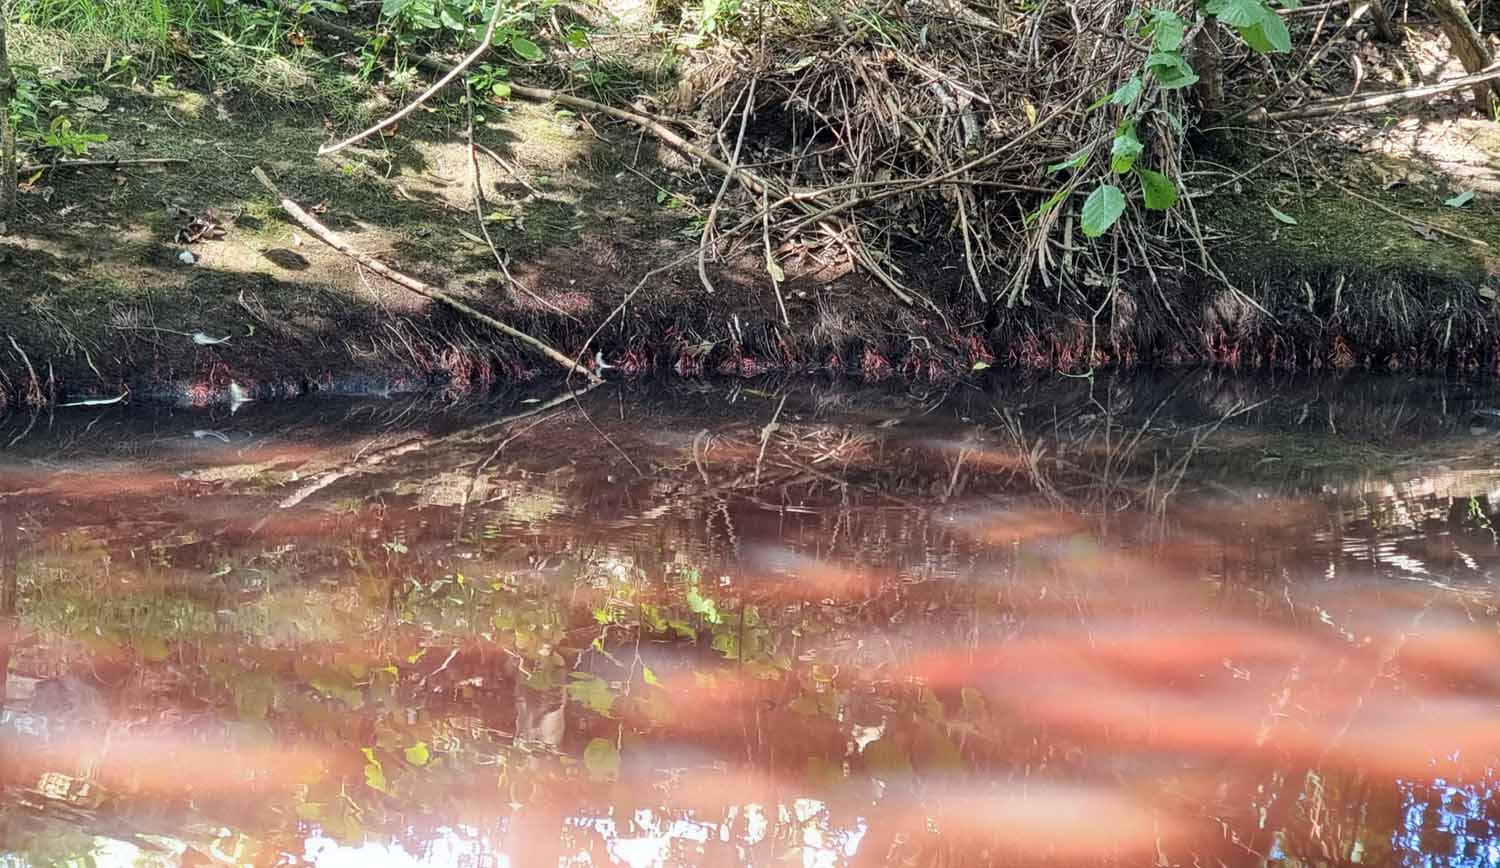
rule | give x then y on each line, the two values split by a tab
1180	620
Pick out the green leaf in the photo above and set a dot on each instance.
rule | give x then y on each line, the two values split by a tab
418	754
374	771
1101	209
1236	13
980	366
1159	191
593	692
1167	29
1282	216
1269	35
702	605
1075	161
602	759
1125	150
525	49
650	677
1460	200
501	89
1047	206
1171	69
1127	93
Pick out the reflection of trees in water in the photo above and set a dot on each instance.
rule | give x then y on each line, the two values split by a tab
827	610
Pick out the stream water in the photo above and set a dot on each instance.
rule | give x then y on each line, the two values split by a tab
1179	620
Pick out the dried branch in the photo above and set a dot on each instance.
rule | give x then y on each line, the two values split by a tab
329	237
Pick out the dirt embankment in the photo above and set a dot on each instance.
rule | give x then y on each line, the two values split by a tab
185	282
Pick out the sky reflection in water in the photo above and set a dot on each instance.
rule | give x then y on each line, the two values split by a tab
1060	627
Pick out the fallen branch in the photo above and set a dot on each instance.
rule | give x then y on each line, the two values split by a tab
713	211
99	164
1342	105
329	237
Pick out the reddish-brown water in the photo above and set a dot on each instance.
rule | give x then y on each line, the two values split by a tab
1184	622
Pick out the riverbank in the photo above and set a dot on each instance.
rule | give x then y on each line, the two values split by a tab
183	281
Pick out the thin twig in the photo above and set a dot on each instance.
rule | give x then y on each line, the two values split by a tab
479	203
484	45
713	210
99	164
771	266
1412	220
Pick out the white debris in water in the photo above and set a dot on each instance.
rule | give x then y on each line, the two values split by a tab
204	340
186	257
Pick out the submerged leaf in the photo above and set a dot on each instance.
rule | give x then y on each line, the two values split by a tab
418	754
1460	200
602	759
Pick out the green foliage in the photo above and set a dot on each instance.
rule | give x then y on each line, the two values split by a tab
1157	190
1101	209
66	138
1126	149
602	760
1168	69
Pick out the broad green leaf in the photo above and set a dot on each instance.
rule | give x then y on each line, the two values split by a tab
501	89
1073	162
525	49
1268	35
1236	13
602	759
1101	209
1125	150
1460	200
980	366
1282	216
449	19
1167	29
393	8
1127	93
1158	190
1171	69
418	754
650	677
593	692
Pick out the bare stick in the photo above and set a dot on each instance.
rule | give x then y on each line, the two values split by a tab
99	164
1340	105
771	266
1412	220
329	237
713	210
484	45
